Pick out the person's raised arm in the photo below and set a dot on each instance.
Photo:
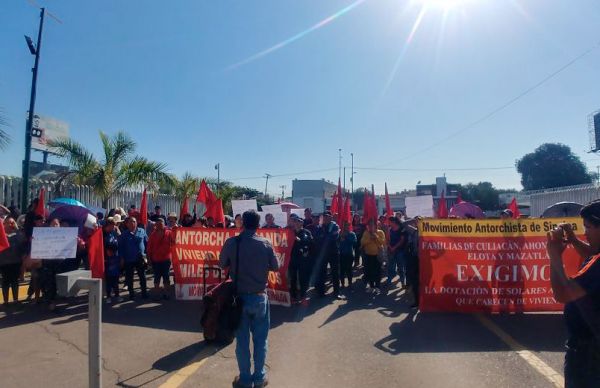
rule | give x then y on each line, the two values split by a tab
565	290
581	247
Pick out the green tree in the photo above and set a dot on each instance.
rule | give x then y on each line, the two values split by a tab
483	194
552	165
118	168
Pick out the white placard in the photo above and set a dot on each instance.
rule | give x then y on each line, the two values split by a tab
54	243
299	212
240	206
271	208
419	206
280	218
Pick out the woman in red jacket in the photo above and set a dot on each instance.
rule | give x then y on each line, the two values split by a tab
159	253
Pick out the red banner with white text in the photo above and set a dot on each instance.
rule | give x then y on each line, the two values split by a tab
489	265
196	261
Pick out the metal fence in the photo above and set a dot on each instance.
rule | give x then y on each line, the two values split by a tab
582	194
10	194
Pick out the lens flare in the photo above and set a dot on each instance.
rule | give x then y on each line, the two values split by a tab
296	37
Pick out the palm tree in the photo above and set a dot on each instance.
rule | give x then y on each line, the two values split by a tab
117	170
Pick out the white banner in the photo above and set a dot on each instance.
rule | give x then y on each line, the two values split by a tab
299	212
419	206
271	208
240	206
54	243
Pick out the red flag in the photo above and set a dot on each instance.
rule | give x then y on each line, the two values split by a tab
388	206
3	239
334	204
370	207
96	254
442	211
366	207
459	198
184	209
514	208
346	213
40	209
144	210
215	210
374	210
205	194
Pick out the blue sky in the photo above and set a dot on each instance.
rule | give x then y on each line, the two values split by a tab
166	74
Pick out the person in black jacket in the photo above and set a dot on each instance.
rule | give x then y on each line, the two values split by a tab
328	252
301	262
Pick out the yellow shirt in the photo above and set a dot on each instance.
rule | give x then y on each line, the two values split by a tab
371	244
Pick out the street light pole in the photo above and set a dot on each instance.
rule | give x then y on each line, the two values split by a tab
34	51
267	176
352	179
218	168
340	164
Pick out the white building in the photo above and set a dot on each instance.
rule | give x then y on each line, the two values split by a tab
314	194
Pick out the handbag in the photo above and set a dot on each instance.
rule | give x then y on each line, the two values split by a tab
233	306
223	308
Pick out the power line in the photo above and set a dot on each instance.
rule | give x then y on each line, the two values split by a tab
435	169
501	107
36	5
377	169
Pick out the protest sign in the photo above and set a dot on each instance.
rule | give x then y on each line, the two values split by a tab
54	243
421	205
196	261
299	212
280	218
271	208
240	206
489	265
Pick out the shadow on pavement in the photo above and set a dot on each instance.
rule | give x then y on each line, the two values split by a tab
450	332
171	363
140	312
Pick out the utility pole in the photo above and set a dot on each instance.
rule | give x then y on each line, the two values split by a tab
282	187
352	180
218	168
340	164
35	50
344	178
267	176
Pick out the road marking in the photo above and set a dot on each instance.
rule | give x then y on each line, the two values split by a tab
22	293
184	373
534	361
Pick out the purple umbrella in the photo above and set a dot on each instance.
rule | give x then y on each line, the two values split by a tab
466	210
74	215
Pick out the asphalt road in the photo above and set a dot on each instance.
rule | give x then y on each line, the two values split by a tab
363	341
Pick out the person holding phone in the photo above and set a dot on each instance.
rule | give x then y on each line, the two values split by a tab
581	295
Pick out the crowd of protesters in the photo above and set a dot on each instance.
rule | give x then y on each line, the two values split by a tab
324	250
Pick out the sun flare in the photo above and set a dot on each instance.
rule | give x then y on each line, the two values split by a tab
444	4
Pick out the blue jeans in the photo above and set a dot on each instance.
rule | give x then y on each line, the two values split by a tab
397	265
256	320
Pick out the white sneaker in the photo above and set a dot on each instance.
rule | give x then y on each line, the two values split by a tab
376	291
